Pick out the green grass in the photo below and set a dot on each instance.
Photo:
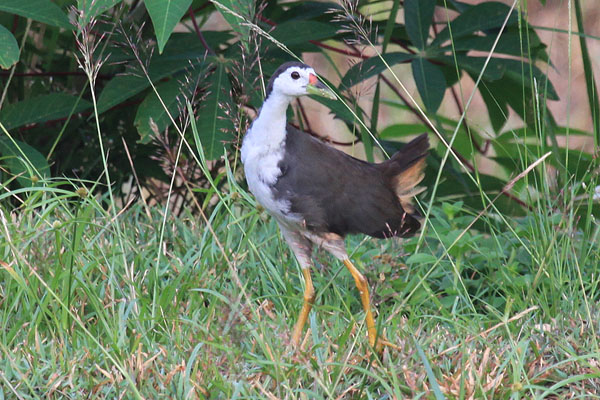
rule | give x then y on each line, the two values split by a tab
98	301
89	307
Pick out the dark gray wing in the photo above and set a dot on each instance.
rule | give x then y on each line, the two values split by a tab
337	193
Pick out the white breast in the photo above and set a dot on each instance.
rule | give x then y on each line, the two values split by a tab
262	150
261	166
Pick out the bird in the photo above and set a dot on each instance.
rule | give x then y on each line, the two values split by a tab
319	194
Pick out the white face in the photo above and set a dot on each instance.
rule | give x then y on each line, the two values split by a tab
293	81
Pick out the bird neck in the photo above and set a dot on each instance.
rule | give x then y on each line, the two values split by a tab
269	126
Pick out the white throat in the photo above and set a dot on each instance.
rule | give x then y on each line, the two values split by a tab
263	149
267	132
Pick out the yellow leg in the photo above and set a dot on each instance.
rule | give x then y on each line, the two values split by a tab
363	289
309	298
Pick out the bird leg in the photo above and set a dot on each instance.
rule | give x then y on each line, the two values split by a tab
309	298
376	341
302	248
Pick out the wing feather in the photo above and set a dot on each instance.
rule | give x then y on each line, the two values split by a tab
335	192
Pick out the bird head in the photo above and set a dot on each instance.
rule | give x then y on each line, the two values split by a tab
294	79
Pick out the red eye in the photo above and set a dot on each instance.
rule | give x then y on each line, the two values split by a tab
295	75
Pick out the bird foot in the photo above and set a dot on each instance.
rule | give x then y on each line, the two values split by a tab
381	343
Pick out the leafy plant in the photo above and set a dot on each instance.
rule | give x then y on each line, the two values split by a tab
495	298
141	91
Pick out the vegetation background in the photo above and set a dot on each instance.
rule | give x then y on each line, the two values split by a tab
135	264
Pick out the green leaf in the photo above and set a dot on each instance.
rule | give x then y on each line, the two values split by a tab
430	83
9	50
339	109
510	152
497	108
525	131
493	71
165	14
180	54
511	42
94	8
519	71
187	46
512	94
481	17
244	9
305	10
418	15
214	125
122	87
430	375
151	112
371	67
402	130
40	109
390	24
300	32
421	258
23	160
38	10
366	137
451	209
590	81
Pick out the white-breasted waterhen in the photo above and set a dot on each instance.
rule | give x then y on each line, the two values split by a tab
319	194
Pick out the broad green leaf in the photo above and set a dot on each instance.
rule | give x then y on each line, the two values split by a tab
180	54
214	125
402	130
94	8
9	50
165	14
389	26
451	74
23	160
526	131
481	17
40	109
371	67
520	71
38	10
421	258
452	209
494	69
458	5
445	120
151	112
305	10
366	137
187	46
339	109
418	15
430	83
497	109
232	10
300	32
511	93
513	43
122	87
579	166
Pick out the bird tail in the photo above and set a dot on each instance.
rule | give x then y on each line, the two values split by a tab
405	170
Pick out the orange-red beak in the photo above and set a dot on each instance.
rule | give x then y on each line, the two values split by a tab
316	87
